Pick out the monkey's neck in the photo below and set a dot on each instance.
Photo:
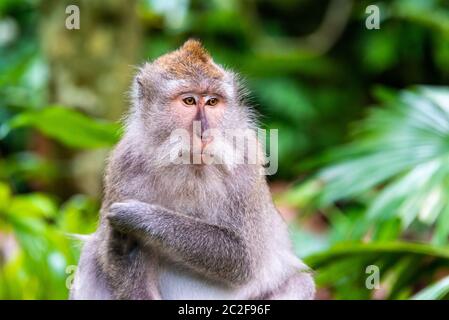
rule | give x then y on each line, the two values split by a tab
192	190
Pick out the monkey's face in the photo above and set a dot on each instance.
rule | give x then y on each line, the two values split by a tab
204	107
196	122
201	110
189	105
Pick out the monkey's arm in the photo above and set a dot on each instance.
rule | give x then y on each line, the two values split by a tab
210	249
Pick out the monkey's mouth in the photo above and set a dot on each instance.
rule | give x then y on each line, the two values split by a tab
202	154
216	152
202	158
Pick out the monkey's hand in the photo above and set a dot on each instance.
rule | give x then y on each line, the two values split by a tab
213	250
130	216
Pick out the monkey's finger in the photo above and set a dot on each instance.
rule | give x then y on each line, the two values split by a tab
119	216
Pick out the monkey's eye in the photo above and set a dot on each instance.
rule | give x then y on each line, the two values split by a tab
190	101
212	101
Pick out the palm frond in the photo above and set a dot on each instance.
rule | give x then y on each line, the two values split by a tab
399	157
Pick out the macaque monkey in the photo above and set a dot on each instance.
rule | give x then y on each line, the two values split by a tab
198	230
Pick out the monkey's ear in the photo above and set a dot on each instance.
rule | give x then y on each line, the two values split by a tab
138	86
139	82
140	79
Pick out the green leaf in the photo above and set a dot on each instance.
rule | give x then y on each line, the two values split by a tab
35	205
69	127
401	266
350	248
436	291
400	156
5	196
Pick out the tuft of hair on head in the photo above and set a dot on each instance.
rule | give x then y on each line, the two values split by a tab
191	59
194	50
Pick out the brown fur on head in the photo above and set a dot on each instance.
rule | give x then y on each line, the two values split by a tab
190	65
183	70
189	60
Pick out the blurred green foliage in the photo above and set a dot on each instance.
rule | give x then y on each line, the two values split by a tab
363	119
34	229
66	126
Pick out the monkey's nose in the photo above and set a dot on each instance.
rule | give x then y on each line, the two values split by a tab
206	139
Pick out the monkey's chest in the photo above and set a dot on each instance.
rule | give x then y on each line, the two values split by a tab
177	283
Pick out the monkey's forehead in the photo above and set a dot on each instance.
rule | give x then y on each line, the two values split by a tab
214	86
